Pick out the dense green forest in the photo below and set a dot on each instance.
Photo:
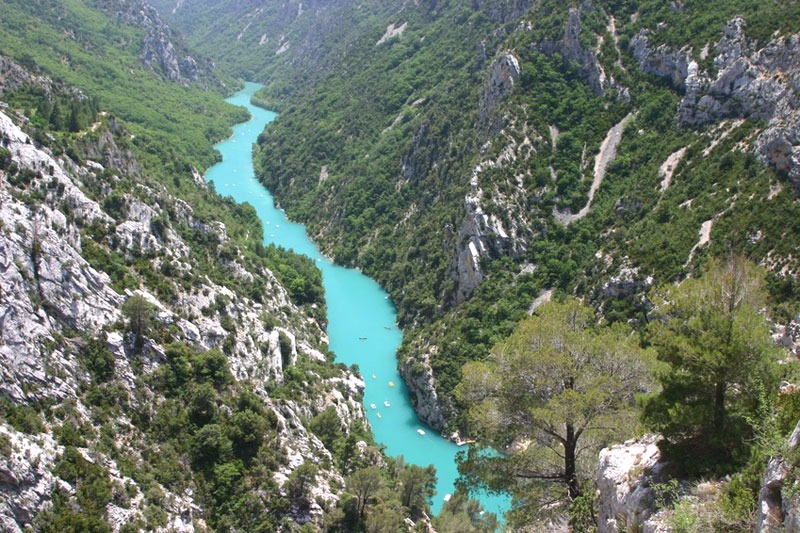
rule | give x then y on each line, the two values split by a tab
451	151
387	142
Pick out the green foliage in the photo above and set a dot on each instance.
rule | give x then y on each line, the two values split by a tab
247	432
211	447
5	158
698	23
565	384
720	355
98	359
460	514
63	518
201	403
23	418
93	488
327	426
417	487
6	448
139	313
104	62
378	498
298	486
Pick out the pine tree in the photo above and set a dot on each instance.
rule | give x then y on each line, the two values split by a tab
721	359
554	392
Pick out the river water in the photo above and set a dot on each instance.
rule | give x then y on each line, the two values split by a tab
361	319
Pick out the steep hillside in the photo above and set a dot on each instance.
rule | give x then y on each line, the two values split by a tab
120	54
162	369
151	356
474	158
286	45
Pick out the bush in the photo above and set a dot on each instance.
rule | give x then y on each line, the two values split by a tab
98	359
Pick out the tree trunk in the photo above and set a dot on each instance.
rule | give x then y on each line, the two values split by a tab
570	473
719	405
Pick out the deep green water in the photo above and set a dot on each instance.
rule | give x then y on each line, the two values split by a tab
361	319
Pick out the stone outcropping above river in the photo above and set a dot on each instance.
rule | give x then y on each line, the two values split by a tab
64	226
747	81
162	50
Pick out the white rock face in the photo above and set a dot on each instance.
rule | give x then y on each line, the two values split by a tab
418	375
623	475
49	295
45	282
571	49
503	74
779	508
27	483
749	83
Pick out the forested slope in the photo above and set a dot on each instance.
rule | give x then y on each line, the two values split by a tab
473	157
478	160
162	369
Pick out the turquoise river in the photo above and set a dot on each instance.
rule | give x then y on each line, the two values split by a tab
361	319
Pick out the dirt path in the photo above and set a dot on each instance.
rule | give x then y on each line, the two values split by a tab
705	237
668	168
608	151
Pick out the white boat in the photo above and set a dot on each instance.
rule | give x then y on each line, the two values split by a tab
387	404
447	497
421	432
372	406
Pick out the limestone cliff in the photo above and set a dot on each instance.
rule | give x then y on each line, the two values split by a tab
746	81
59	219
162	50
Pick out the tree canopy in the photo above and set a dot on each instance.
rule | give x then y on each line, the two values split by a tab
721	360
549	396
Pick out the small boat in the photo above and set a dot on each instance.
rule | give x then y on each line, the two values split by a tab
386	327
362	338
447	497
374	376
421	431
379	415
387	404
372	406
391	383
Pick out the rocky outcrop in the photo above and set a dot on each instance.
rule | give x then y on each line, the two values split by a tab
503	11
625	283
662	61
480	236
497	221
162	50
778	503
571	49
418	375
13	76
108	154
788	336
27	483
45	282
52	299
503	74
761	84
625	474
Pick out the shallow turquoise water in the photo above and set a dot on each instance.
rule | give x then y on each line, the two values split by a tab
361	319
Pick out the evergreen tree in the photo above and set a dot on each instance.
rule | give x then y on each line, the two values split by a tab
550	395
721	359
